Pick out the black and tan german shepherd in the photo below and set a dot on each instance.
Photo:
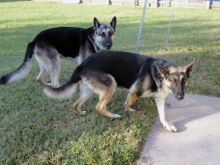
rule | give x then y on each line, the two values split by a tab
67	42
144	77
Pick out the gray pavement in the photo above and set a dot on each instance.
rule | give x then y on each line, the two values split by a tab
197	119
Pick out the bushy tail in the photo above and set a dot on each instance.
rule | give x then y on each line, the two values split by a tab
22	70
64	91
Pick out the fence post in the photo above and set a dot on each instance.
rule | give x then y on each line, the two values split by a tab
110	2
208	4
141	26
156	3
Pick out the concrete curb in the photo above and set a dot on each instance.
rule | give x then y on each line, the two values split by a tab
198	140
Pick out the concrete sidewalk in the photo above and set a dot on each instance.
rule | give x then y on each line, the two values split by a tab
197	119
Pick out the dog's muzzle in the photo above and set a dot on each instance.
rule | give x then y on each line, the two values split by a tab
108	45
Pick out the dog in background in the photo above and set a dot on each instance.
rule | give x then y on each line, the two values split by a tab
144	77
62	42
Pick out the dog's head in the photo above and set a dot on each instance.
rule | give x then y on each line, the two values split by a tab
103	33
175	78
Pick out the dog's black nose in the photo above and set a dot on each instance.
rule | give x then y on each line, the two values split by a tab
108	45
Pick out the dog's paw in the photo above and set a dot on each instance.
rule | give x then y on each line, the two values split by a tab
174	129
116	116
170	128
129	109
82	113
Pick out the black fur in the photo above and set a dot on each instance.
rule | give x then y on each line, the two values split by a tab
4	79
66	40
125	67
29	51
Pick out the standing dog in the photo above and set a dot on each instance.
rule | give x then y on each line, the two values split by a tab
69	42
144	77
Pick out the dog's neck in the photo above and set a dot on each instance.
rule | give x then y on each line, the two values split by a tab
91	40
157	80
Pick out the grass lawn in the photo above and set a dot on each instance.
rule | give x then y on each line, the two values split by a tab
37	130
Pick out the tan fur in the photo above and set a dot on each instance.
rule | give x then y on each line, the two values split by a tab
101	105
76	108
131	98
105	94
104	97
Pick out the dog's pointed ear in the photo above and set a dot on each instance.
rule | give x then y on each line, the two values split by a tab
96	22
163	71
113	22
188	68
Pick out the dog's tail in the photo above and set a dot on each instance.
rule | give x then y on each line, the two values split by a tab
64	91
22	70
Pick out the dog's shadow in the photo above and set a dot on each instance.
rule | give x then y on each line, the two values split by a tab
193	107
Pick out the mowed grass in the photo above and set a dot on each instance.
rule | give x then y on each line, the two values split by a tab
35	129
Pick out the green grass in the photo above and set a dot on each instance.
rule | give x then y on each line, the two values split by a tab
37	130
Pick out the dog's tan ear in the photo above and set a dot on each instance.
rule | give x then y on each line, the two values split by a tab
163	71
113	22
188	68
96	22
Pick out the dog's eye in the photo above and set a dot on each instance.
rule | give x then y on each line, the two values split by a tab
110	34
102	34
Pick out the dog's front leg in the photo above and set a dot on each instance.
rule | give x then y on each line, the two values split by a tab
160	102
131	98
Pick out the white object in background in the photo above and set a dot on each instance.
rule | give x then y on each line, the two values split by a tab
70	1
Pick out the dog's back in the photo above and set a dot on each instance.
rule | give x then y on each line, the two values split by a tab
122	66
67	40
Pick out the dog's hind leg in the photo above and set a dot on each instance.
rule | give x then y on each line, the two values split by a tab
49	61
85	94
42	74
104	85
54	70
133	95
54	75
